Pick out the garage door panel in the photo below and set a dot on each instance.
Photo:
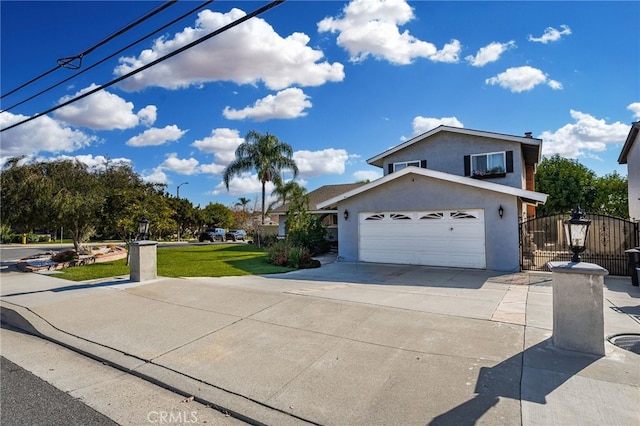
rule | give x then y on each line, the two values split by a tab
439	238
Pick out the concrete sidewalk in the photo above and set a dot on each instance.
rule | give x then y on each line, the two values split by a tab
348	344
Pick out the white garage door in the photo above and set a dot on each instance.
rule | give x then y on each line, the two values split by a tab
453	238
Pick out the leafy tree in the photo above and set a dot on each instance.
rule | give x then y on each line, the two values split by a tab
567	182
265	154
217	215
612	196
303	229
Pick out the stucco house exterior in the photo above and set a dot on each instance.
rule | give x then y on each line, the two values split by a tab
450	197
630	155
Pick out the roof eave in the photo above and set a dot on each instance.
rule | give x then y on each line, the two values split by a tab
527	196
377	160
631	137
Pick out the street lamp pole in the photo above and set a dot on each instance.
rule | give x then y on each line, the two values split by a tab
178	197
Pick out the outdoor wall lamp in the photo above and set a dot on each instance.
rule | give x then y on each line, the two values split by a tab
500	211
576	230
143	227
346	214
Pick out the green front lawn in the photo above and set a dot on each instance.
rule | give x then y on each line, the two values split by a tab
215	260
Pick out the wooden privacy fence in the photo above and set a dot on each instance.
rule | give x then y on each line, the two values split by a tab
543	240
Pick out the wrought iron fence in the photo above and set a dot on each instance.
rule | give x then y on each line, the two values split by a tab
542	240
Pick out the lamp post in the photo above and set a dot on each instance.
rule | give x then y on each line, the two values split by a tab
178	189
143	228
576	230
178	197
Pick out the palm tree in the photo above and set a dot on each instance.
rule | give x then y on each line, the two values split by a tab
242	201
284	191
265	154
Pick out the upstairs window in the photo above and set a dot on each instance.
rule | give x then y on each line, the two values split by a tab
489	165
402	165
394	167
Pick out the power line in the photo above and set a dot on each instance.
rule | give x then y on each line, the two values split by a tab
153	63
110	56
68	62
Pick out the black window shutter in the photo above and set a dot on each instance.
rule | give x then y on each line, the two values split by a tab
423	164
467	165
509	160
391	168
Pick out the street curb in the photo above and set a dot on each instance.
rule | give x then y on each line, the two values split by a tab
233	404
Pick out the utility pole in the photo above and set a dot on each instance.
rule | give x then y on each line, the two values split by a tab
178	197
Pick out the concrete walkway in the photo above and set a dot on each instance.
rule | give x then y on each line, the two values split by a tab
348	344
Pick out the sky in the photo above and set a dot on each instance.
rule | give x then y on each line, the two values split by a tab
339	81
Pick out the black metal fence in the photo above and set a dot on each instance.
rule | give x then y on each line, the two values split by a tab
542	240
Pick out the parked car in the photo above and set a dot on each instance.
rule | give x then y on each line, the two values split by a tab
238	234
213	235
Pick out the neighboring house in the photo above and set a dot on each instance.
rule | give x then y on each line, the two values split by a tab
450	197
329	217
630	156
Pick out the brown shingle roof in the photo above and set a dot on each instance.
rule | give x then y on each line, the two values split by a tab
322	194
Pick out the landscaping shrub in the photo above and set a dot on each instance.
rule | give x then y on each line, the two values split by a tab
64	256
299	257
278	253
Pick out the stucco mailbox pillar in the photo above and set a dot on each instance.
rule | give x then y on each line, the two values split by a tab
143	260
578	316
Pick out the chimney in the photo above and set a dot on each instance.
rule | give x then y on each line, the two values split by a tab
528	135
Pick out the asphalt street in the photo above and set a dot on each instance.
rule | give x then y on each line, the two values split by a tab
28	400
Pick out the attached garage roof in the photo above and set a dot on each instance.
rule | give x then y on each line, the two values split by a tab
527	196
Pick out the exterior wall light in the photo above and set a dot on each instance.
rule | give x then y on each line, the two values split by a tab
576	230
500	211
346	214
143	227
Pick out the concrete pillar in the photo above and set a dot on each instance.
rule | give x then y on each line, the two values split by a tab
578	316
143	260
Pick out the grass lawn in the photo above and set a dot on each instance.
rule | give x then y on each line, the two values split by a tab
211	260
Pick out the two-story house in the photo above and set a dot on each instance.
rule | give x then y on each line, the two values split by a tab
450	197
630	155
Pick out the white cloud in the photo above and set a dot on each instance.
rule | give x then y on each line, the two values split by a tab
489	53
551	34
148	115
222	143
244	184
583	137
288	103
316	163
187	166
635	109
40	135
212	169
98	162
520	79
369	175
156	176
424	124
245	54
156	136
101	111
371	27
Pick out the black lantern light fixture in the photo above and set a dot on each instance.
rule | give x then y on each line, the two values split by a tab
143	227
346	214
500	211
576	230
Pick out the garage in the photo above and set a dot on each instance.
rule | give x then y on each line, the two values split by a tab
450	238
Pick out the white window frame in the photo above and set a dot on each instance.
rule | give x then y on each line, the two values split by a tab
475	172
402	164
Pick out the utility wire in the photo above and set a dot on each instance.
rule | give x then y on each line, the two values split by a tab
153	63
69	62
110	56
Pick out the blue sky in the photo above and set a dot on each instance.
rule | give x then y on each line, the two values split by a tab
338	81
